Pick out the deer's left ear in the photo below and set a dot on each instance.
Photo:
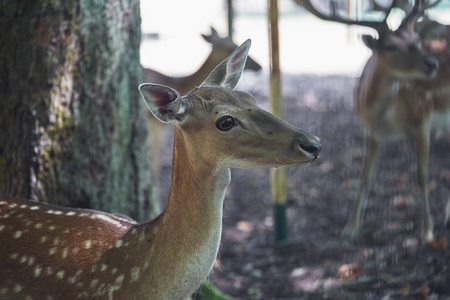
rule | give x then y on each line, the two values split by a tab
164	102
228	72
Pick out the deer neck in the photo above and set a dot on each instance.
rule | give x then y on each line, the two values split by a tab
188	231
375	92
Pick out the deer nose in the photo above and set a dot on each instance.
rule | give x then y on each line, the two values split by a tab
431	64
312	147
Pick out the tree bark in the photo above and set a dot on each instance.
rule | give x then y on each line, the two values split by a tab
73	126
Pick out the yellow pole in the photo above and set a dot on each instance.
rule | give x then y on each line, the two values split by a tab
278	178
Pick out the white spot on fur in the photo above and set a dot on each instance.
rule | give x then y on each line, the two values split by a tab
111	220
120	279
18	234
35	208
37	271
135	273
60	274
43	239
48	271
14	255
23	259
2	227
87	244
12	205
17	288
71	213
94	282
52	250
119	243
75	250
52	227
23	206
38	225
104	267
82	295
31	260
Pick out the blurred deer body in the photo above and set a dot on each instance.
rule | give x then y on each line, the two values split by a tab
403	91
221	49
394	102
50	252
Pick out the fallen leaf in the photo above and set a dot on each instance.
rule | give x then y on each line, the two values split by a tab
400	201
349	272
440	243
245	226
423	291
404	290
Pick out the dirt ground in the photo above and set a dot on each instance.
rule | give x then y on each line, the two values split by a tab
388	261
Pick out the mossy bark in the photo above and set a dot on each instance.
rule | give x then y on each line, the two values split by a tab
73	126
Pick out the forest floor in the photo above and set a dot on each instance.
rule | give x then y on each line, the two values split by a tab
387	261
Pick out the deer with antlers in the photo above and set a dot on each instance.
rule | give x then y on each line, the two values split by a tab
402	92
51	252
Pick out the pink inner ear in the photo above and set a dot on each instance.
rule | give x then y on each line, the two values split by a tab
162	97
234	66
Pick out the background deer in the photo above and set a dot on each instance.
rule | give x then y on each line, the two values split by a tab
51	252
221	49
401	92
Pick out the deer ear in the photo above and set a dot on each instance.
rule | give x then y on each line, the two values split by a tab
213	38
228	72
164	102
370	41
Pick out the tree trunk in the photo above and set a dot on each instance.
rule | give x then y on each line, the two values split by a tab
73	126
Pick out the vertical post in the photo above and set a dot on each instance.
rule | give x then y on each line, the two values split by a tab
278	178
230	18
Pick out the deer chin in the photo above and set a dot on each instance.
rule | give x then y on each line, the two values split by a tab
431	73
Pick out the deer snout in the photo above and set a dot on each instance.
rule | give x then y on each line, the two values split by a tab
310	145
431	65
313	149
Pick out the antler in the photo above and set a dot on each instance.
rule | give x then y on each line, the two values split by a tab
416	12
378	26
412	15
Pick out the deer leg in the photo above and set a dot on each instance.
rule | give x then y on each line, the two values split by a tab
422	144
354	224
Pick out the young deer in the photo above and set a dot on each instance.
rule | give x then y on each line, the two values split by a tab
400	93
51	252
221	49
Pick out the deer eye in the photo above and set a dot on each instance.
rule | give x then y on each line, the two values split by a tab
225	123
